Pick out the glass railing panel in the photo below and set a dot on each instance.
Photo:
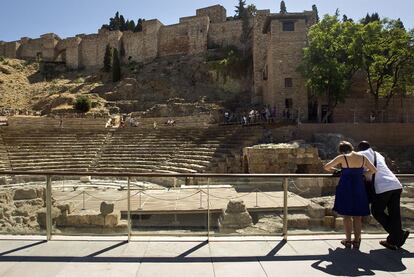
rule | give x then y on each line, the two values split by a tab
310	203
22	205
407	203
89	205
169	206
246	206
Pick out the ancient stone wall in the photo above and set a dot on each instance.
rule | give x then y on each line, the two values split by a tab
283	57
2	48
72	52
216	13
133	44
10	50
260	44
49	42
151	31
293	157
30	49
92	47
383	134
197	31
173	40
226	33
398	110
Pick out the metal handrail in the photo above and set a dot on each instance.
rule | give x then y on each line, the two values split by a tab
156	174
49	174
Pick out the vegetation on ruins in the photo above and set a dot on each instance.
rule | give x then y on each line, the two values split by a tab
82	104
383	49
116	66
118	22
283	7
107	59
234	64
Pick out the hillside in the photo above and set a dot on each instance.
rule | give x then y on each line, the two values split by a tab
189	79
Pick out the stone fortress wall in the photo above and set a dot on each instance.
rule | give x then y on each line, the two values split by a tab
191	35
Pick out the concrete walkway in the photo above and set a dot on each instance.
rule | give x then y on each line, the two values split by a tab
264	256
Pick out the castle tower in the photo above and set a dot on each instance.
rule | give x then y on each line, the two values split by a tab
284	87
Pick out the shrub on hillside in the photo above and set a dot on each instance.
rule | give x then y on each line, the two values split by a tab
82	104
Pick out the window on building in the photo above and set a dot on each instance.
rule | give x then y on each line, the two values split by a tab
288	83
288	26
288	103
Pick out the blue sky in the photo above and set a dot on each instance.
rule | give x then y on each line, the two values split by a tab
31	18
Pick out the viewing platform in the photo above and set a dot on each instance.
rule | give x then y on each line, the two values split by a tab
259	256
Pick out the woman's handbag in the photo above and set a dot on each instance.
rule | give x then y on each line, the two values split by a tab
369	184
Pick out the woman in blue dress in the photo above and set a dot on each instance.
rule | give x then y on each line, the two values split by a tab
351	199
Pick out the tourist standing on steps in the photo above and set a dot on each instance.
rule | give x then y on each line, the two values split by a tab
387	197
351	200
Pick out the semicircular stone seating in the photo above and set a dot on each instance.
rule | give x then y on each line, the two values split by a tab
174	150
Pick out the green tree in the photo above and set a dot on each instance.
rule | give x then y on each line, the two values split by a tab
251	10
240	9
330	60
283	7
370	18
122	23
107	58
315	11
387	58
82	104
138	27
130	25
116	66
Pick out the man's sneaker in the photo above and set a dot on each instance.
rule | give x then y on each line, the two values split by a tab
405	237
388	245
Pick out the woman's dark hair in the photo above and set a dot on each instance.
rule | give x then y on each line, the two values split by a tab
364	145
345	147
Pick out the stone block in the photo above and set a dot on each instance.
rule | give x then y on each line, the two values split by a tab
316	211
25	194
235	207
329	221
339	223
235	220
85	179
41	216
299	221
106	208
67	207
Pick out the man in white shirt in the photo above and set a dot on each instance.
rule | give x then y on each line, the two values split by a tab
387	197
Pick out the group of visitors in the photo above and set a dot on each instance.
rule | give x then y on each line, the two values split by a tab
258	116
366	186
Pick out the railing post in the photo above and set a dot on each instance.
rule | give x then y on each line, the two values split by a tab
129	209
208	209
285	208
48	208
83	200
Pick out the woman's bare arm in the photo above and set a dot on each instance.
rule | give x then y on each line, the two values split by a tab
331	166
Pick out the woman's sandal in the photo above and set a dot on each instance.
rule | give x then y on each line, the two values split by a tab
356	244
346	243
